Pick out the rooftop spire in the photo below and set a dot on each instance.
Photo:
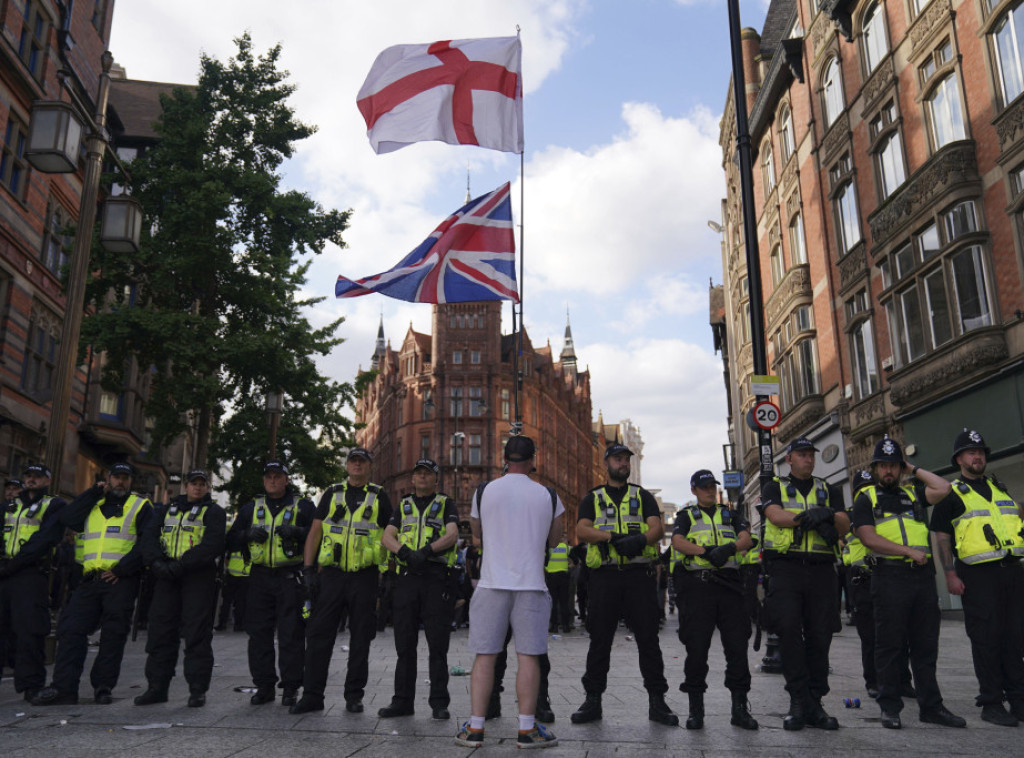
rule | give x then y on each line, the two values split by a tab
568	354
380	351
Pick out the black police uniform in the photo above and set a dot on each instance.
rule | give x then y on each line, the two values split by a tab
801	605
905	607
274	600
343	592
993	610
710	598
615	592
422	596
183	596
24	596
96	603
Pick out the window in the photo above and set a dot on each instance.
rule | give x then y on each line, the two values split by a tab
111	404
505	411
56	242
847	222
865	365
13	166
99	14
960	220
428	405
745	324
474	357
455	454
928	242
457	357
40	355
969	288
937	309
802	319
873	33
798	371
475	401
787	138
425	446
32	44
767	167
1008	41
945	113
920	5
456	401
474	449
778	266
888	150
398	455
833	92
797	249
907	326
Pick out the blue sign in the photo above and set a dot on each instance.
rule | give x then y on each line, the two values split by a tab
732	479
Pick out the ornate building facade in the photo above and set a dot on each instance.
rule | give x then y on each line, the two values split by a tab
450	395
889	184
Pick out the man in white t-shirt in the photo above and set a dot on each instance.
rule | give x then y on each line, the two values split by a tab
515	520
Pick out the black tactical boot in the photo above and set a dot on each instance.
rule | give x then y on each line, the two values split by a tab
696	718
660	712
741	712
589	711
152	695
794	721
818	719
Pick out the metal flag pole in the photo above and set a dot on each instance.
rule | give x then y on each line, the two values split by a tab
517	337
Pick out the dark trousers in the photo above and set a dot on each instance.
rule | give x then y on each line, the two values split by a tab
181	610
864	620
561	609
906	607
994	618
24	624
273	603
94	604
803	609
501	666
232	604
711	605
354	593
386	593
631	593
750	574
422	599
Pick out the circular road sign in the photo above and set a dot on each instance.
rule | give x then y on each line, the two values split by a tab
767	415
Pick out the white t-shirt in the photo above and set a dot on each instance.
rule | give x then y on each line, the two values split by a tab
516	519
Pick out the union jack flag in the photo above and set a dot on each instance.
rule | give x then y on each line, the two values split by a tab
469	257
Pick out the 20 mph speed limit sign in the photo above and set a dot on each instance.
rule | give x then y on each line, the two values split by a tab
767	415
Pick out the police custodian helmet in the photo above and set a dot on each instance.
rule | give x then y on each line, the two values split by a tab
968	439
888	451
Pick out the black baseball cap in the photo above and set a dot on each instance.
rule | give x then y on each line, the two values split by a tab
519	448
615	450
38	468
197	473
360	452
800	443
702	478
271	466
428	464
121	467
15	483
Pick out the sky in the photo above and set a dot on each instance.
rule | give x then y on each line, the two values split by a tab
622	173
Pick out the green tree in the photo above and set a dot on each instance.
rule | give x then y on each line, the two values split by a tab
211	301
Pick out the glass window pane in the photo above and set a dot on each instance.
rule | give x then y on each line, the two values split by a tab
971	293
913	335
938	308
946	112
904	262
928	242
1008	55
874	37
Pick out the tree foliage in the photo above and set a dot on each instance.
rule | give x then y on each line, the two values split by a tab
212	300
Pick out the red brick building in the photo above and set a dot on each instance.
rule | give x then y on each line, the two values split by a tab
449	395
889	183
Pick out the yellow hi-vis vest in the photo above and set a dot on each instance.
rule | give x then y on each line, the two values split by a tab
625	518
236	565
908	528
21	523
274	553
675	559
709	533
854	553
351	538
182	530
558	560
106	541
988	530
752	557
421	528
780	539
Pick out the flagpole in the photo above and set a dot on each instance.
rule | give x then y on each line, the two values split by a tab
518	426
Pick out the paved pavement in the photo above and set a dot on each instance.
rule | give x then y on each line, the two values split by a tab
229	726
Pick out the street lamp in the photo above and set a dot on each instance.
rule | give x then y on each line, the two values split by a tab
275	407
53	146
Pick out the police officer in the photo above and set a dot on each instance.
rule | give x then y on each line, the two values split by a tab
804	518
236	582
708	536
273	528
983	567
855	558
345	541
891	522
181	548
422	534
621	524
556	576
13	488
112	520
750	576
24	597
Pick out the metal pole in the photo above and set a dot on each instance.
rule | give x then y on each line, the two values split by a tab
757	337
60	405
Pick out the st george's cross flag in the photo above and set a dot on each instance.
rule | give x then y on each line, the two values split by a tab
462	92
469	257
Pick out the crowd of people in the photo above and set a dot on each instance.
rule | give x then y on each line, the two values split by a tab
291	573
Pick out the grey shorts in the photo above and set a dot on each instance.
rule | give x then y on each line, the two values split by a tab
491	612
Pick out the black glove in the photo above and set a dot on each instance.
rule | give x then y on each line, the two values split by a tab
602	548
160	569
311	581
411	558
257	534
291	532
174	569
815	516
426	552
828	532
720	555
629	545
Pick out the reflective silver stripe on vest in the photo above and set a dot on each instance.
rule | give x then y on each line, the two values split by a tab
124	532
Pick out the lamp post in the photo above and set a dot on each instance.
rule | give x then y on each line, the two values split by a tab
54	139
275	407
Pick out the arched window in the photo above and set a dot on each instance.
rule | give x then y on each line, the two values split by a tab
945	112
767	167
832	88
873	35
1008	42
787	140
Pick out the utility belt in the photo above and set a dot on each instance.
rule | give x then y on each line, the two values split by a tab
882	565
802	558
625	567
1009	561
91	576
707	575
286	571
431	569
860	575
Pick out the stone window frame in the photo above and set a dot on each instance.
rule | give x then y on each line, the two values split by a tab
842	177
883	127
831	118
881	17
860	318
14	166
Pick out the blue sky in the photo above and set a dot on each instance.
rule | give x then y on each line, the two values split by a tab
623	170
